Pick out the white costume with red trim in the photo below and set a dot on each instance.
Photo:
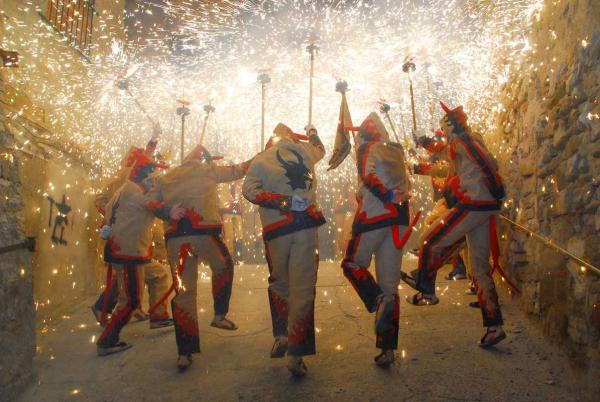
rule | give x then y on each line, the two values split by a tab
472	191
380	226
284	171
197	237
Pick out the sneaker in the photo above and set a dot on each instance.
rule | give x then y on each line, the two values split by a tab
475	304
98	315
223	323
116	348
420	299
183	362
279	347
385	358
456	276
167	322
471	291
296	366
492	336
140	315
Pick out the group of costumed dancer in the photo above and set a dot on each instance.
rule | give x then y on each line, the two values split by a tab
282	181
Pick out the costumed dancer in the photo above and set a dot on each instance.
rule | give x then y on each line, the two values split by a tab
436	166
473	192
282	181
197	236
129	219
379	228
156	273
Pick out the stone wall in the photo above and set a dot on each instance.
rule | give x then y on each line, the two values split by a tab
550	125
17	314
58	211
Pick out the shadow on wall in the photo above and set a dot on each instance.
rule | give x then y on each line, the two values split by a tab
58	211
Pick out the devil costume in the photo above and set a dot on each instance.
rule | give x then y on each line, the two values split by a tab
197	236
436	167
129	219
282	181
156	273
473	192
380	228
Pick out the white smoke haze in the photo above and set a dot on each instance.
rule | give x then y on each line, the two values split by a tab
464	50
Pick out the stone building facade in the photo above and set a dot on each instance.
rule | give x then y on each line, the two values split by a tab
550	124
45	188
17	314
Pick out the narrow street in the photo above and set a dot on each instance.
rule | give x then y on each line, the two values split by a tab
438	358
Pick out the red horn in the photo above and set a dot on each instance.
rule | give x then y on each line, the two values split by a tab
445	107
300	137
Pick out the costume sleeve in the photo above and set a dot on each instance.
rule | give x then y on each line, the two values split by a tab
438	169
102	199
231	173
153	201
474	149
254	192
316	148
366	162
111	209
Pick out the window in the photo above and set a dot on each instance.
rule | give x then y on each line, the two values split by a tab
73	19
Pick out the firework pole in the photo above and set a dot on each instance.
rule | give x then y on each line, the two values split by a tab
385	109
312	48
408	67
208	109
429	92
183	111
123	85
264	79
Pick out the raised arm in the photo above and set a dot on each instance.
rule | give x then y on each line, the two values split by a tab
231	173
315	146
435	169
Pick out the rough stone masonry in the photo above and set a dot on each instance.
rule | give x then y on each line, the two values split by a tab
551	123
17	315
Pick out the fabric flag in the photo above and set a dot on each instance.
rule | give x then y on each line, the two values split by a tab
342	145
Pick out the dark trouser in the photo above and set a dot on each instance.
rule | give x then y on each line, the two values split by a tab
112	293
388	262
130	282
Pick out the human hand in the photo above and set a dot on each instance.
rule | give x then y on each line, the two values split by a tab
177	212
105	232
400	196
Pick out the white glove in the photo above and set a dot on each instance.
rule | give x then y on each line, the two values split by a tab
105	232
310	127
299	204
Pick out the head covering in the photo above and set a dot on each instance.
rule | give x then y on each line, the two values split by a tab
142	165
371	129
282	131
456	118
